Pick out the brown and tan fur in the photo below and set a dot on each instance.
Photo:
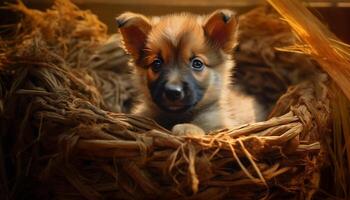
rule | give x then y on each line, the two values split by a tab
177	40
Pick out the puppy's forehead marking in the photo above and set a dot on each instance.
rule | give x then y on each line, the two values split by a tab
177	38
172	31
173	27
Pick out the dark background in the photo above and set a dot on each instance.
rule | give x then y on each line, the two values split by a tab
334	13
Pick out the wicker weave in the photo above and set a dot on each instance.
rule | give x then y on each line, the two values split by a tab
67	138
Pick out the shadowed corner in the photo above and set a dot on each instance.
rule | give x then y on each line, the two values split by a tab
62	126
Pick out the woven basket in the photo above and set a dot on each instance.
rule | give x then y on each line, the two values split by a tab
65	92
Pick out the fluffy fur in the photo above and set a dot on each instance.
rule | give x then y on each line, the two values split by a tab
176	41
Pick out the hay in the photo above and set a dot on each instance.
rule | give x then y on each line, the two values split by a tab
61	139
334	58
261	70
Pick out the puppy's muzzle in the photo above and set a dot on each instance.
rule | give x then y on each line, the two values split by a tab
174	92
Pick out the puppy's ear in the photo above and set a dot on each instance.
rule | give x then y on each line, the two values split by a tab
134	29
220	28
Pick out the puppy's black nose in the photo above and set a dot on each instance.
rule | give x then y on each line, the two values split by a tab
174	92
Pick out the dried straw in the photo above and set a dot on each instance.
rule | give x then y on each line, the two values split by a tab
334	58
321	43
65	142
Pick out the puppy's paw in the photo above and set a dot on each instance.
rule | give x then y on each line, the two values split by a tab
187	129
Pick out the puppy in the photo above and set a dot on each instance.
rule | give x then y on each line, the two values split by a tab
183	66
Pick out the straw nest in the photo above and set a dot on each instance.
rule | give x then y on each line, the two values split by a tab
65	92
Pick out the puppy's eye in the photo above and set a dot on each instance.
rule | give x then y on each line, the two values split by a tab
156	65
197	64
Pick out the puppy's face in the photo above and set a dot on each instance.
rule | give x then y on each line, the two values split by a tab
182	60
